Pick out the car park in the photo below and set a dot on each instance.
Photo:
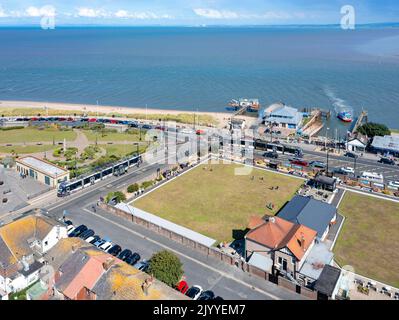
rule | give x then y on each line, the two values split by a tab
206	295
115	250
106	245
194	292
78	230
86	234
125	254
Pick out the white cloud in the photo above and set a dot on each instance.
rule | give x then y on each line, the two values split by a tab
92	13
48	11
216	14
3	14
140	15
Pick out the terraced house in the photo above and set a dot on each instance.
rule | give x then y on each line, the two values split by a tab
22	246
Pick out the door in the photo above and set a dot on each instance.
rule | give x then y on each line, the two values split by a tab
284	265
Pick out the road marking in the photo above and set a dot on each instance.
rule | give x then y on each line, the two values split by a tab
185	256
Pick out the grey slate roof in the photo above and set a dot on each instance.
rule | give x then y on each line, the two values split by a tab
328	280
390	143
311	213
70	268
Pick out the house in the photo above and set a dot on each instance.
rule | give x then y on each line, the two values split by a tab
386	145
22	245
41	170
324	182
84	272
357	143
327	285
314	214
283	116
278	246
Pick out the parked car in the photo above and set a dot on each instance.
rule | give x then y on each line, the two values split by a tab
70	228
182	286
115	250
86	234
92	239
219	298
194	292
299	162
79	230
68	222
146	126
271	154
348	170
134	259
317	164
394	184
350	155
206	295
99	242
125	254
387	161
106	245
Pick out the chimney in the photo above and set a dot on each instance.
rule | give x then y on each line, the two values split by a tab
74	248
108	263
272	220
302	241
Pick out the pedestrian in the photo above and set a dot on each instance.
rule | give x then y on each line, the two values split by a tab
93	207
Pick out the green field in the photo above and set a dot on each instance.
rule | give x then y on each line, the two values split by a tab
26	149
212	200
369	240
121	150
31	134
113	136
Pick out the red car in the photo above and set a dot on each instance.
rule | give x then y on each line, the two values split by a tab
182	286
299	162
200	132
92	120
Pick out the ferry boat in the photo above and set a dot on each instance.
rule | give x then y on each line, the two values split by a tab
345	116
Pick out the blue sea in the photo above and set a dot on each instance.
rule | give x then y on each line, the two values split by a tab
203	68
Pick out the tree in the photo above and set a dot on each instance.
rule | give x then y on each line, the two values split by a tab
166	267
133	188
119	196
372	129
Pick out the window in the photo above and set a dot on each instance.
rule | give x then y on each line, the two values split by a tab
47	180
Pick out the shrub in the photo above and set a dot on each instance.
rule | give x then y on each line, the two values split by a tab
133	188
372	129
119	196
166	267
147	184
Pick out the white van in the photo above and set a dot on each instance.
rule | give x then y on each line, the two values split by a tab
372	176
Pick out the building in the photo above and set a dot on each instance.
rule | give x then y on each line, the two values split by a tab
22	245
357	143
84	272
386	145
314	214
281	115
324	183
327	286
278	246
41	170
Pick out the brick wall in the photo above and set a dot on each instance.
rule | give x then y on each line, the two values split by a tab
209	251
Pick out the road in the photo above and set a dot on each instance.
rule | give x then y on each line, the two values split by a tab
390	172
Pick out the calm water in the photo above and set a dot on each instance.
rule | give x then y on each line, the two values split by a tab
203	68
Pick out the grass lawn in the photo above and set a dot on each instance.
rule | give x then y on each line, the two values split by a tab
113	136
369	240
217	202
26	149
35	135
120	150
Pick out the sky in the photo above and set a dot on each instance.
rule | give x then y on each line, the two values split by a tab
195	12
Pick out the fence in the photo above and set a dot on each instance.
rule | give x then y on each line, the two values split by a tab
211	252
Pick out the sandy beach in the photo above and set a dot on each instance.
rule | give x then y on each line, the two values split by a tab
221	117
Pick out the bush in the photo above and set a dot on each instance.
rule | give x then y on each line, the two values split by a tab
147	184
372	129
119	196
166	267
133	188
12	128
